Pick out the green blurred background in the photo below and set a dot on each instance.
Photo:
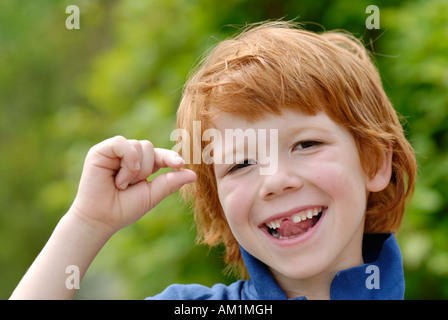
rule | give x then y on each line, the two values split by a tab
122	72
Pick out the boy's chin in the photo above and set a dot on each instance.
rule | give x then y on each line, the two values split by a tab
300	270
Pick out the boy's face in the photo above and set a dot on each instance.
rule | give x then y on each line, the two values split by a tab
319	180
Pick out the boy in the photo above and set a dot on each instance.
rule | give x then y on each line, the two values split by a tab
319	226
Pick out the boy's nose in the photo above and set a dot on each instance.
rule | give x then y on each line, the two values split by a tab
283	180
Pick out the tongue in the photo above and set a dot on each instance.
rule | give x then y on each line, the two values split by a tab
289	228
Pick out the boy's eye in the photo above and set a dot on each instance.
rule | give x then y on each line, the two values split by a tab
306	145
242	164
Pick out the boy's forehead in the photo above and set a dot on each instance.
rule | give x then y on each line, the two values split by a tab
234	113
222	120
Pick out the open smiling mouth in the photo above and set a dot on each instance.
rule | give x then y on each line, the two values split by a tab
295	225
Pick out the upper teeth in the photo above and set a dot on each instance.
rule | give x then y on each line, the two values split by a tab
296	218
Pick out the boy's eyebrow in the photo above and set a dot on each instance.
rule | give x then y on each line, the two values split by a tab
299	129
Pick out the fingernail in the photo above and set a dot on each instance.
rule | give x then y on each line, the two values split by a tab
178	160
123	186
137	165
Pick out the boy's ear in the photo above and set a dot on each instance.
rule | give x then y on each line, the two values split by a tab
382	178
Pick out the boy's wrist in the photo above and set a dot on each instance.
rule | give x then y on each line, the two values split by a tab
87	226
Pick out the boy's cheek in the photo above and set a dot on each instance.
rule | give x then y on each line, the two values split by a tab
335	177
235	201
344	185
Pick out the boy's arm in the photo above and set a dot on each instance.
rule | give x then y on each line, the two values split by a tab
112	194
72	243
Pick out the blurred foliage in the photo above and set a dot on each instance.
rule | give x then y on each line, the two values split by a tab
62	91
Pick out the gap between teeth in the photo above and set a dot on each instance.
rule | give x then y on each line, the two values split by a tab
296	218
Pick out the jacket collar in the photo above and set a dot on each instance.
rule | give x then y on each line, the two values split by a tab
380	277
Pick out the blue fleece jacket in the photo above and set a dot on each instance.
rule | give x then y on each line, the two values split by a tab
380	277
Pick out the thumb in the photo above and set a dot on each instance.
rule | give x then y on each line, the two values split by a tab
165	184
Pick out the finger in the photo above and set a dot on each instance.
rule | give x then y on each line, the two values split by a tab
111	156
138	147
128	153
152	159
147	161
113	149
164	158
168	183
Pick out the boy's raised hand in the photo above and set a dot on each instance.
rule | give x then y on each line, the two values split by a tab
113	191
112	194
